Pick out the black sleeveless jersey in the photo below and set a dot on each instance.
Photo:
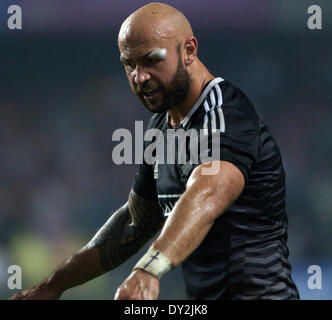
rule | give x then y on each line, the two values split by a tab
244	255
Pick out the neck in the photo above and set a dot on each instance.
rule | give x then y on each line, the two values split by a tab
199	79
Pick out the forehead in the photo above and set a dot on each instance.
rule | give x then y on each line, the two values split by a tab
150	50
144	39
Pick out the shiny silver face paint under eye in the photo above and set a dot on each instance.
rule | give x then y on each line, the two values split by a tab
158	54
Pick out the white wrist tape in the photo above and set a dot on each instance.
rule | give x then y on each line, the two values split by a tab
155	262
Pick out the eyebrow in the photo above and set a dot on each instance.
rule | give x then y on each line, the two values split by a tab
124	59
158	54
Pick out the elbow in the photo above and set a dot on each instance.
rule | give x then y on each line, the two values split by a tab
214	207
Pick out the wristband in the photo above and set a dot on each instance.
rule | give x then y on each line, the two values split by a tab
155	262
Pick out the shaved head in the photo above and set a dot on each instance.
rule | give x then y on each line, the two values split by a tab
158	22
158	51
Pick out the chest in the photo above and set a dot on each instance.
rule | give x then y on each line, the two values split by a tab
170	185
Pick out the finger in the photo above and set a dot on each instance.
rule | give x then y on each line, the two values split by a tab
117	294
121	294
18	296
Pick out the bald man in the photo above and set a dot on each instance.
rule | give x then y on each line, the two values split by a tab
228	229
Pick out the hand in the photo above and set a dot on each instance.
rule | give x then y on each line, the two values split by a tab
140	285
38	292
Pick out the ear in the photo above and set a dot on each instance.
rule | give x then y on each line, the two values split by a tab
190	50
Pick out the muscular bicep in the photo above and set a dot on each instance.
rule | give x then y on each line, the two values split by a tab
127	230
218	183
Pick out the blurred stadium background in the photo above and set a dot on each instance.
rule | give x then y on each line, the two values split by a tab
63	93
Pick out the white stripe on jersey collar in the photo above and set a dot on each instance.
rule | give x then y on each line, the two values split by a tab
211	84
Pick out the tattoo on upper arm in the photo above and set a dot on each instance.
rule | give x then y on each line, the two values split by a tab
127	230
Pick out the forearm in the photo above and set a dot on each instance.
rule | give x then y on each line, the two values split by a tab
204	200
93	259
79	268
125	232
185	228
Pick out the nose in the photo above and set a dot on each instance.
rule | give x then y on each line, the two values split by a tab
141	75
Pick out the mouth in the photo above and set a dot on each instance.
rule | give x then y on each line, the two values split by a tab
149	94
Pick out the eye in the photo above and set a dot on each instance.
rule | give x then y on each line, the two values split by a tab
129	66
151	62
